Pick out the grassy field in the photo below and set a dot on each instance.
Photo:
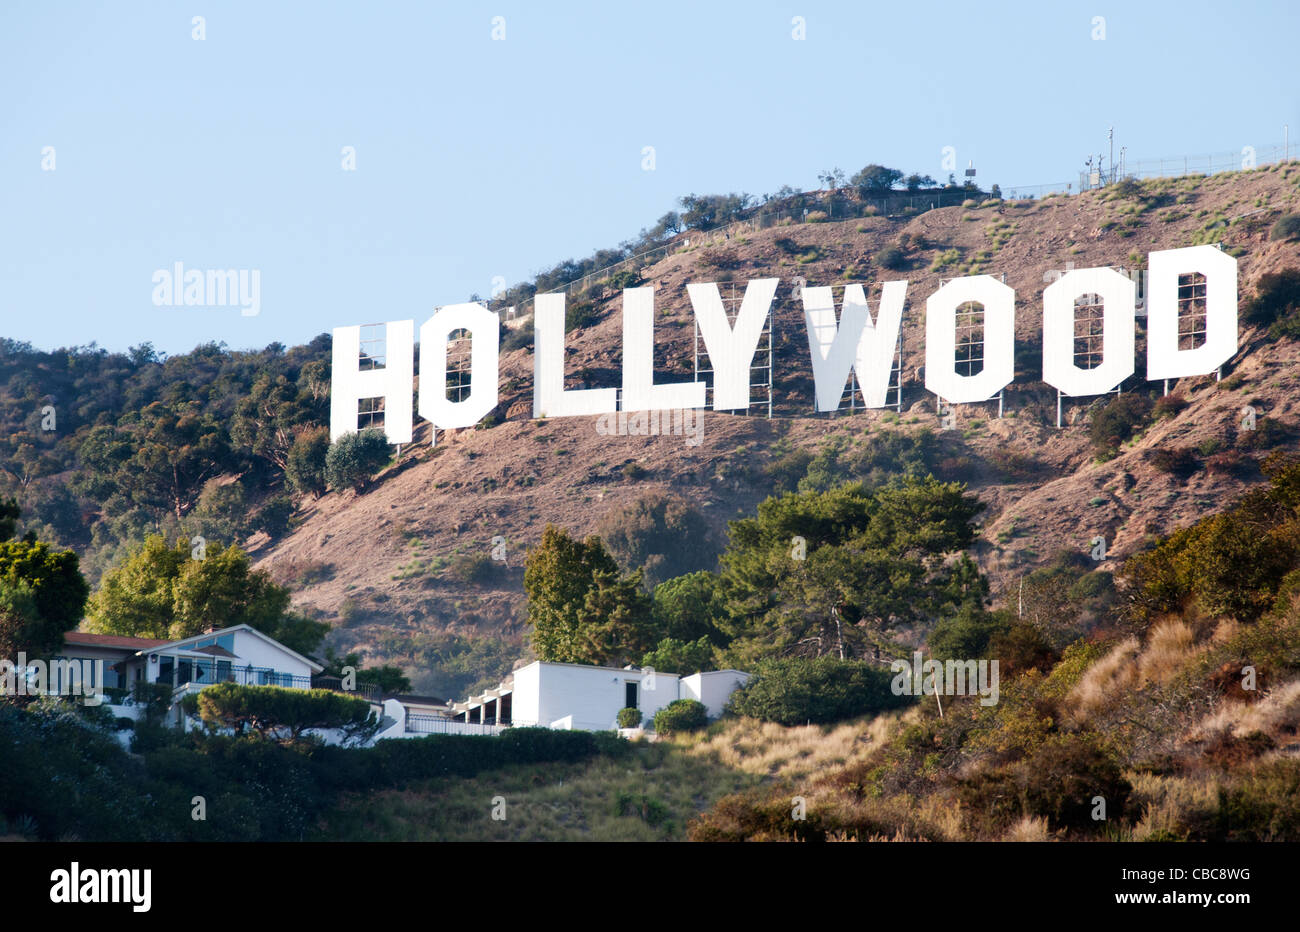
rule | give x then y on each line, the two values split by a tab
649	795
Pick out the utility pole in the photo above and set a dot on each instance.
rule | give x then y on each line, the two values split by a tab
1111	163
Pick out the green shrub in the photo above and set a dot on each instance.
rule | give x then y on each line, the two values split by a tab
579	313
681	715
275	712
684	657
819	690
1177	461
891	257
629	717
1287	226
1277	298
354	458
624	278
473	568
273	516
966	635
1118	421
305	468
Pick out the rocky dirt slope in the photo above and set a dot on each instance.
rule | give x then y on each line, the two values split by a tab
380	564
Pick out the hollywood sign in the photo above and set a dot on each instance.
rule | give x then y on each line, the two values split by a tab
855	342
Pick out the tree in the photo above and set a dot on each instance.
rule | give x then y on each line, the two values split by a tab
284	714
53	578
687	607
707	211
389	678
21	626
684	657
265	418
581	609
164	592
831	178
876	179
354	458
135	598
820	573
161	456
821	690
9	515
305	467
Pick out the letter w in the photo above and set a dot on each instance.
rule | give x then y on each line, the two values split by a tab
855	342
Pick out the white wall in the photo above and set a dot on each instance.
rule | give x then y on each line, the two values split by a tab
591	697
713	688
254	651
524	706
249	650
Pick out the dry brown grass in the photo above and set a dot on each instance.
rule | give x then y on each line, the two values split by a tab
770	750
1171	645
1028	828
1171	802
1278	709
1130	665
1111	675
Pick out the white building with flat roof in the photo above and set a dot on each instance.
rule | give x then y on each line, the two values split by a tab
580	697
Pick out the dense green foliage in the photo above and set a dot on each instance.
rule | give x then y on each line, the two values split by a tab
1232	563
103	448
389	678
685	657
42	594
66	776
681	715
1287	226
1276	303
275	712
165	592
828	572
305	467
354	458
629	717
872	461
685	607
814	690
581	608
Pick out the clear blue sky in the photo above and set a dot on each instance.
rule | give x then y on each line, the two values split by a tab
479	158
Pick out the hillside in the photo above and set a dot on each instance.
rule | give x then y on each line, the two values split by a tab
380	565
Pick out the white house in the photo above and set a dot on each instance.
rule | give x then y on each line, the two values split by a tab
240	654
576	696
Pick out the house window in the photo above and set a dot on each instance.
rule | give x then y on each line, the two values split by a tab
631	699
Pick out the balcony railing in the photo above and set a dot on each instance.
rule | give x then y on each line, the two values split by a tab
200	673
437	725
